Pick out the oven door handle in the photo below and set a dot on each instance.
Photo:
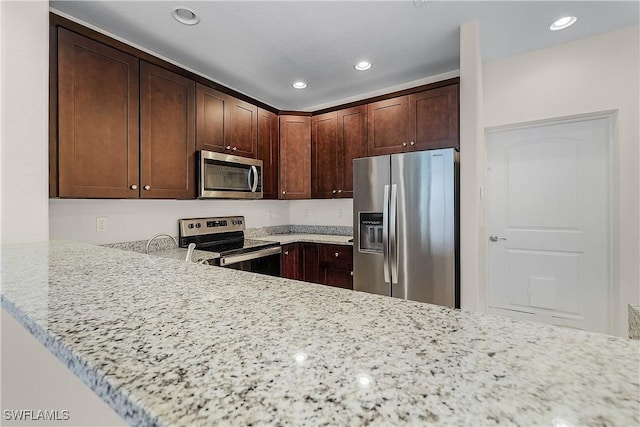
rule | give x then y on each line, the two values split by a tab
232	259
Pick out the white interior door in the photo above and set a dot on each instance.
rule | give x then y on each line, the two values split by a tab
548	247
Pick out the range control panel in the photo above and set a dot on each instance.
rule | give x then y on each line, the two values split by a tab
202	226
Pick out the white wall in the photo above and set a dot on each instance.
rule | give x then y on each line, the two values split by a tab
472	266
595	74
24	126
129	220
322	212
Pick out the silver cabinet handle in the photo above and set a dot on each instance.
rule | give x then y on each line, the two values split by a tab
337	254
495	238
412	143
284	192
286	252
234	148
228	147
404	144
147	187
339	191
134	187
334	191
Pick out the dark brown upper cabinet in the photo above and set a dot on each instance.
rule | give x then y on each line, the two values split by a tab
268	152
225	124
352	144
295	157
420	121
97	144
167	134
433	119
337	138
324	152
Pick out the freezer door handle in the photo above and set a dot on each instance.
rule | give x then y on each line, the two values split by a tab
393	244
385	234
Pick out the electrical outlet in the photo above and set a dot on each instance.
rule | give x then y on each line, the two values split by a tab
101	224
340	213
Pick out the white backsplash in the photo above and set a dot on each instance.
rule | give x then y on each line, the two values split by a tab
131	220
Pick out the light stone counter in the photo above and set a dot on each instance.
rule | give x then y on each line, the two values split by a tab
307	238
634	322
165	342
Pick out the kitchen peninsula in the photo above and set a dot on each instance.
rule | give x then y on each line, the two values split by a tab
165	342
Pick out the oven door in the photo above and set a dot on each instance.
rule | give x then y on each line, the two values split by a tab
230	177
264	261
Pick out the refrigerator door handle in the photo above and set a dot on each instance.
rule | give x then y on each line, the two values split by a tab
393	244
385	235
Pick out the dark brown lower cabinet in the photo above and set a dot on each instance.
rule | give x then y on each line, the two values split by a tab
336	266
330	265
290	261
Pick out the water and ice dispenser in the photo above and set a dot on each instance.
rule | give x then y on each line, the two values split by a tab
370	232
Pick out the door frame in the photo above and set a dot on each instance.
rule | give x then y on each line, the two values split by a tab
611	119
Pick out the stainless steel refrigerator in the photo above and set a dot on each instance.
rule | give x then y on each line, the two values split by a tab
405	216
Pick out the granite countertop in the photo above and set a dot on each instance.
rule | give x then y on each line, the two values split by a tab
181	254
284	239
165	342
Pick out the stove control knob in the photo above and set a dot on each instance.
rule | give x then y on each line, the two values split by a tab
198	225
190	225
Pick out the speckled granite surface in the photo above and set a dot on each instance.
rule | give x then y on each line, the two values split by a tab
299	229
165	342
634	322
310	238
158	244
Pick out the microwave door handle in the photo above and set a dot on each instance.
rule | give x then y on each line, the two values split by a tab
254	172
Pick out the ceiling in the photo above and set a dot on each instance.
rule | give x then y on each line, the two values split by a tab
260	48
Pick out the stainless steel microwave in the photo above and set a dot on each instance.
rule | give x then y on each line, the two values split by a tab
223	176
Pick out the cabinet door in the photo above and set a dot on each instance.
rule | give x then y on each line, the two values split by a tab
336	265
268	152
240	127
388	126
290	261
434	119
167	143
210	121
97	119
295	157
324	161
309	262
352	144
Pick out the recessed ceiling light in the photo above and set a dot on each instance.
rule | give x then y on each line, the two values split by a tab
362	65
185	16
299	85
563	23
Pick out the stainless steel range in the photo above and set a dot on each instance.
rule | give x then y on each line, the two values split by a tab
224	236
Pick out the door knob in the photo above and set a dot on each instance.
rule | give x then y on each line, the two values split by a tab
234	148
404	144
412	143
134	187
334	191
147	187
339	191
286	252
495	238
336	254
284	192
228	147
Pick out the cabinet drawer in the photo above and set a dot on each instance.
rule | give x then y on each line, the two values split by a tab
333	253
